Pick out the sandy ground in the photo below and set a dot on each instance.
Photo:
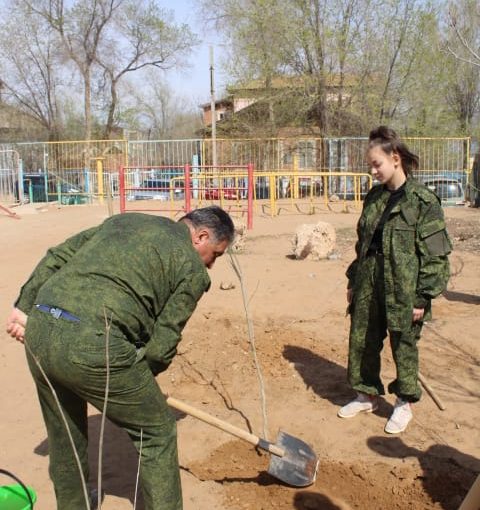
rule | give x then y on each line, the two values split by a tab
301	334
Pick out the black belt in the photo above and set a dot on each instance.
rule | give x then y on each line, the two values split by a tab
58	313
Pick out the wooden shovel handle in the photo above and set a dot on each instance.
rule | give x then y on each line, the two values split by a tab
226	427
430	391
12	214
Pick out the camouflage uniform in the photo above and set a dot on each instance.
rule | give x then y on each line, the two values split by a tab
412	270
141	273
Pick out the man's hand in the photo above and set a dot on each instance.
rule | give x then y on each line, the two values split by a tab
16	323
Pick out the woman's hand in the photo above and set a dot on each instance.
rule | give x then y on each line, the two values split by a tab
418	314
16	323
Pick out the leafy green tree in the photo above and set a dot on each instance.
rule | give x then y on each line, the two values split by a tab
255	34
353	63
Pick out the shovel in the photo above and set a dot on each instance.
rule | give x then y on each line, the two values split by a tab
292	462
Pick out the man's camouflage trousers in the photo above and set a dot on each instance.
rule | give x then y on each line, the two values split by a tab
368	330
74	358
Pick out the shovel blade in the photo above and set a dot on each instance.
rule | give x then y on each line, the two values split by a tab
298	467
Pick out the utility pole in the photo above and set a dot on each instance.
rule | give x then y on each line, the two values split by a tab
212	110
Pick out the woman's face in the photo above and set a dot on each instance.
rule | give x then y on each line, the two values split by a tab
386	168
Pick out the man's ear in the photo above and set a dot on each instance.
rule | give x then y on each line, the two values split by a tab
201	236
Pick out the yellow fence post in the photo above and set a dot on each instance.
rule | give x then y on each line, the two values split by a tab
325	189
295	175
311	206
273	192
99	163
291	187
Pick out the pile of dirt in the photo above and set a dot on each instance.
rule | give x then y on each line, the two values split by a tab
339	485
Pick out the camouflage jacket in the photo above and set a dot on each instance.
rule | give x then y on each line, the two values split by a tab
141	271
415	251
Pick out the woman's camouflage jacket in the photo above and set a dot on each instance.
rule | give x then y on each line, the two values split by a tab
415	251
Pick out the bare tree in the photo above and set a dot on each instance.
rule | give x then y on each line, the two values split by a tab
464	23
463	96
141	35
156	112
81	29
31	67
351	28
312	57
328	46
399	47
462	44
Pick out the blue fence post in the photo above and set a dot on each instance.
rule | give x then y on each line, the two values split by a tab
46	187
45	169
30	191
86	179
21	188
136	178
195	172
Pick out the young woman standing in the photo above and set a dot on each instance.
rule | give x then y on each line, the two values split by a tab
401	265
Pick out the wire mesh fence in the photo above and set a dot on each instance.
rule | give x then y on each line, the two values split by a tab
79	171
9	175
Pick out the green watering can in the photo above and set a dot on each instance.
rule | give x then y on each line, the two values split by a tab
17	496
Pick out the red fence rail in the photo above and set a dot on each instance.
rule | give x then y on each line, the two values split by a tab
181	189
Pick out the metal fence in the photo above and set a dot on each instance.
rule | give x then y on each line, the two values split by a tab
10	170
75	172
178	190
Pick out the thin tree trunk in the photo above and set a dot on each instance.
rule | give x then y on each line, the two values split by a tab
88	104
111	109
321	106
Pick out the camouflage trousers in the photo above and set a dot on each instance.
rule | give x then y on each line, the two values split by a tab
74	358
368	331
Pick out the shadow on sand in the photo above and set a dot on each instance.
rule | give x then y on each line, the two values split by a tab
326	378
470	299
306	499
447	473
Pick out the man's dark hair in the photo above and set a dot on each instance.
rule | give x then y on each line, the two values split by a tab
213	218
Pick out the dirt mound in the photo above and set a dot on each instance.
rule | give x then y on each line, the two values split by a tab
339	485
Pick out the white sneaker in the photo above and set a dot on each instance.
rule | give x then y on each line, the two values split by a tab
401	416
362	404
